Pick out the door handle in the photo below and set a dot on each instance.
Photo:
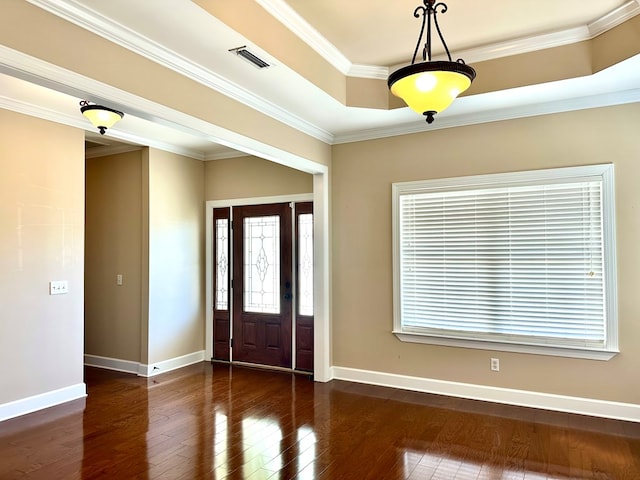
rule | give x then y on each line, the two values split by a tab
287	286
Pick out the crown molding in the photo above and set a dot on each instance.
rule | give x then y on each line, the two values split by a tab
369	71
523	45
78	14
37	111
107	150
224	155
531	110
614	18
73	84
286	15
554	39
46	74
300	27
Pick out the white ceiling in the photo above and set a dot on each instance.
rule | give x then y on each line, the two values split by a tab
378	33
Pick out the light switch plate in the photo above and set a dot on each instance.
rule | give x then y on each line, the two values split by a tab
58	287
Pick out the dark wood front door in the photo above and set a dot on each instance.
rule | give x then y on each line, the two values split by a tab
262	284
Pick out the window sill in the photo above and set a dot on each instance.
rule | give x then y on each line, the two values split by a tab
507	347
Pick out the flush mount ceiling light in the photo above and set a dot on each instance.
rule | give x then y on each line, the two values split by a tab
430	87
101	117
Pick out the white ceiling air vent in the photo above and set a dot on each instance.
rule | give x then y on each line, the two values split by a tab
249	57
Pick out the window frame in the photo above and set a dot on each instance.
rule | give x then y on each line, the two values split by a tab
603	172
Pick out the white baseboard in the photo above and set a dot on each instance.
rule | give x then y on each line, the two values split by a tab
171	364
522	398
42	400
116	364
141	369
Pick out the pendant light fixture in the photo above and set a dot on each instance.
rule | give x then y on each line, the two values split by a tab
101	117
430	86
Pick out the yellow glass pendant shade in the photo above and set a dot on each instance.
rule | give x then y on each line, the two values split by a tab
430	87
430	91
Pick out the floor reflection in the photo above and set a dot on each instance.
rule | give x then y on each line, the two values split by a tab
307	453
221	444
271	437
122	431
261	443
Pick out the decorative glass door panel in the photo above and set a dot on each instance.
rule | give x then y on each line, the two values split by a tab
304	237
262	264
221	283
304	290
222	263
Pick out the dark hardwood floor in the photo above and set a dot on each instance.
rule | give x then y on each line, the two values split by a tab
217	421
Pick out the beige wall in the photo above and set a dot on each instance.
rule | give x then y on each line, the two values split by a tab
247	177
114	244
161	320
362	261
176	256
41	239
145	220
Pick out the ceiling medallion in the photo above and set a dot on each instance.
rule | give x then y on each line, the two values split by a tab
430	86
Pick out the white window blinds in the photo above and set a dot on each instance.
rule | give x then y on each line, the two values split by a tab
517	262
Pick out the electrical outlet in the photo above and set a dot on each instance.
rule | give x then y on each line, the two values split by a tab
119	279
495	364
58	287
